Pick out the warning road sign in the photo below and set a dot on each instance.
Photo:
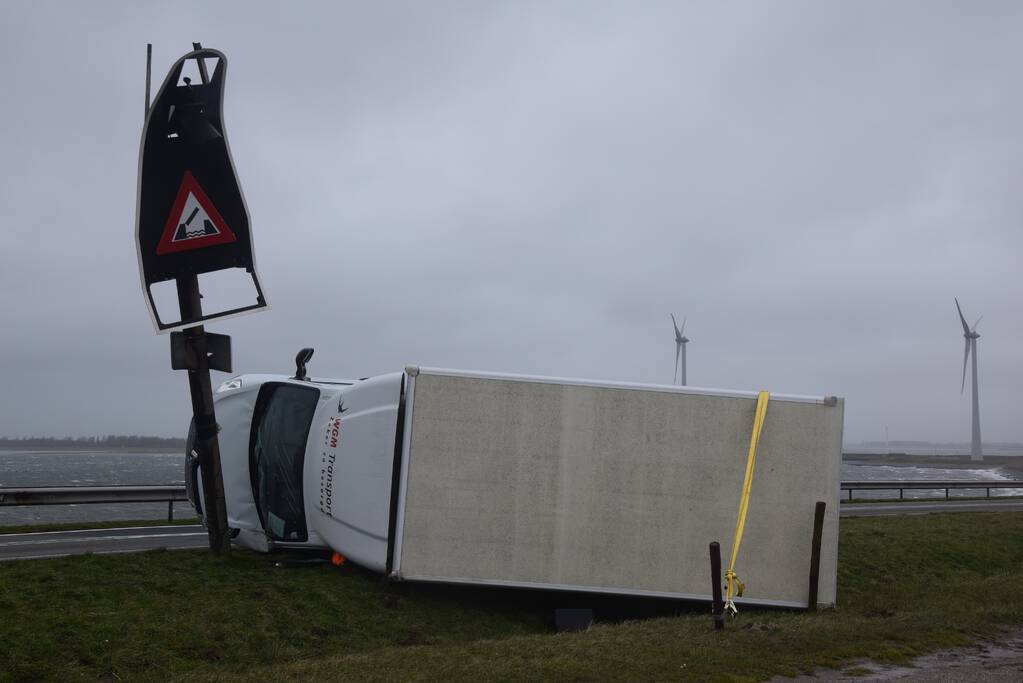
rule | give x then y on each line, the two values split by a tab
193	222
191	217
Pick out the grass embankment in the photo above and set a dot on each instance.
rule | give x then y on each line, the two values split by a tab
906	585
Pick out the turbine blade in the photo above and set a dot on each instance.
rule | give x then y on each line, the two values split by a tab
966	357
675	324
966	329
974	328
684	318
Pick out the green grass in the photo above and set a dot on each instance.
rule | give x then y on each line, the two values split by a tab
167	614
75	526
906	585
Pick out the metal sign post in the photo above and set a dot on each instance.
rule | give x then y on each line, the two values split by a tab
192	219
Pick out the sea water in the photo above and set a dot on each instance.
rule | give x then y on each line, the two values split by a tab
77	468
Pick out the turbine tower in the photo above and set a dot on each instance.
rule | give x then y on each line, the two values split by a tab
680	349
971	345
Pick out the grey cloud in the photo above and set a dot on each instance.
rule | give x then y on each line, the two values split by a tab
533	187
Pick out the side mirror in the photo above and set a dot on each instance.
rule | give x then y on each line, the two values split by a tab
300	360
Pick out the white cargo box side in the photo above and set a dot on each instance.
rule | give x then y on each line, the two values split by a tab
575	485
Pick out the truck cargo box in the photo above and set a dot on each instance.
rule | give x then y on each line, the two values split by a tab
613	488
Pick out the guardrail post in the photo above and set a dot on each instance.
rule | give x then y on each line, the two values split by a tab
946	493
988	494
170	510
900	494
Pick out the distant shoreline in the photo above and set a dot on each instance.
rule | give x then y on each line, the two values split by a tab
112	443
95	451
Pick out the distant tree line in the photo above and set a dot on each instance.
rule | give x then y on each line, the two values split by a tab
112	441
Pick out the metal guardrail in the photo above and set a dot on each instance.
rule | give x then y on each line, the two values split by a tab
74	495
934	485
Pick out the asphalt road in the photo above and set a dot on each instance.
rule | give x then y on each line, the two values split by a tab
138	539
925	507
100	541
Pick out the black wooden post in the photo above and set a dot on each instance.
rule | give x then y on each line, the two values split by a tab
815	553
201	390
717	606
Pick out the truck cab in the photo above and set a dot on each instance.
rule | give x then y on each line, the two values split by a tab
283	444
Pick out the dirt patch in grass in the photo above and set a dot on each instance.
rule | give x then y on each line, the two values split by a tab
999	659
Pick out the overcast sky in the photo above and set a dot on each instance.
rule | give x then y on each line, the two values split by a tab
532	187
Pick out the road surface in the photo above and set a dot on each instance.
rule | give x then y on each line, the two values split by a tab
101	541
925	507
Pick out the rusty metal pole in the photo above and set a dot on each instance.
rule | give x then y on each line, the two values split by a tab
149	73
718	605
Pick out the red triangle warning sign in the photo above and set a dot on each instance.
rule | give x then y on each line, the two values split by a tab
193	222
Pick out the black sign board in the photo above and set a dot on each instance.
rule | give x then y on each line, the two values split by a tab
191	216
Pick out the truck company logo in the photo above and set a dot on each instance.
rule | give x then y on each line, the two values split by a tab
331	438
334	432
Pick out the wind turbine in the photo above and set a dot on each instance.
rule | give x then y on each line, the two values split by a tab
971	344
680	348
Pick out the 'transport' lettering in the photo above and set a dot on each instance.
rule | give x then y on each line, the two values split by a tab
332	437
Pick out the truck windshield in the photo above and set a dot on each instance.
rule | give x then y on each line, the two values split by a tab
280	427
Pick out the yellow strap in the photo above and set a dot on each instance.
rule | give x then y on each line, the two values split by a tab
733	586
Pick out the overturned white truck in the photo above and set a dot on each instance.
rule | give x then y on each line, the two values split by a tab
483	478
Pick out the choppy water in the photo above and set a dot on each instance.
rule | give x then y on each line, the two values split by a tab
853	472
21	468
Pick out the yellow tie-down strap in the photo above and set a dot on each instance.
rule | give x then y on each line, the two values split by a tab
733	586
